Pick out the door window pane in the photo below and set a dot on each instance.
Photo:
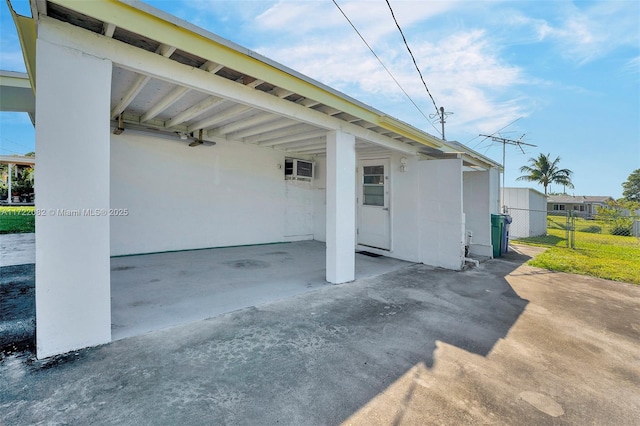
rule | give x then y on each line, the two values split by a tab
374	170
373	186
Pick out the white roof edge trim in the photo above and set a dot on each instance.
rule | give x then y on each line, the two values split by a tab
144	7
17	159
15	79
472	153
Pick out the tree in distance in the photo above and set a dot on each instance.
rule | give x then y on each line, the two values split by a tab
544	171
631	188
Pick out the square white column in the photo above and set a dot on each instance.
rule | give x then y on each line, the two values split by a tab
73	307
341	207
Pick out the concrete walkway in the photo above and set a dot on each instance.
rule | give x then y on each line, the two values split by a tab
17	249
498	344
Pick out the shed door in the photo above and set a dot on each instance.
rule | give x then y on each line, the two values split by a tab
373	204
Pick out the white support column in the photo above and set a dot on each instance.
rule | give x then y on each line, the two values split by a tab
9	185
73	308
341	210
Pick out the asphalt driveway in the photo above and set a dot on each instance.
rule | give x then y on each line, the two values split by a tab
498	344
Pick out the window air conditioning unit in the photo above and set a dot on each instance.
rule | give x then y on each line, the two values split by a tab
298	169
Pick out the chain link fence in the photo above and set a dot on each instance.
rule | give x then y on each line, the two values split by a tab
571	230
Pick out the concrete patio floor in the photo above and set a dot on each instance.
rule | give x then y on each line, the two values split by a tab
503	343
155	291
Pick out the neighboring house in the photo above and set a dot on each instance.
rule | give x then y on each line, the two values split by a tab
528	210
208	144
580	205
14	164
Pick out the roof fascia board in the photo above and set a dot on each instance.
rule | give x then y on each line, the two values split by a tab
145	20
15	79
16	94
470	153
157	66
17	159
27	34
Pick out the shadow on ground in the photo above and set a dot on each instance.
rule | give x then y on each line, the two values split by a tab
311	359
17	309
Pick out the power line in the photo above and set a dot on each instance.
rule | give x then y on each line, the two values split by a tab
383	65
415	63
497	131
9	150
505	142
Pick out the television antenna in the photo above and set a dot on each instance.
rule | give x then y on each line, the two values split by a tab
442	118
504	141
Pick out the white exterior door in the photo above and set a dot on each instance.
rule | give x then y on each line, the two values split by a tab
373	204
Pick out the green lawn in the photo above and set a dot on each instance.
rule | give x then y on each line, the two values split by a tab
17	219
597	254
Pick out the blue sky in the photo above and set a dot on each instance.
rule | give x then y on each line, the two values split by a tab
566	74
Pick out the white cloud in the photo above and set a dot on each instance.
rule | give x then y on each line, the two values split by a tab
372	18
585	33
463	72
633	65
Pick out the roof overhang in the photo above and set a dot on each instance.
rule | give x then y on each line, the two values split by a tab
17	159
16	93
178	79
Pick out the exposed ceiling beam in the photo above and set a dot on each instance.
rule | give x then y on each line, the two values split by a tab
194	111
318	146
211	67
140	20
164	103
312	152
307	102
254	83
219	118
108	29
304	144
280	123
281	93
267	136
328	110
295	138
139	83
137	60
260	118
176	94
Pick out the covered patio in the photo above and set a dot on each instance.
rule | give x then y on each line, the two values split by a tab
155	291
176	139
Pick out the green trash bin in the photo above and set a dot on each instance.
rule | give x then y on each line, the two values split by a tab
497	225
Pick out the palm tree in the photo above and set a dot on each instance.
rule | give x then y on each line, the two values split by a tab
544	171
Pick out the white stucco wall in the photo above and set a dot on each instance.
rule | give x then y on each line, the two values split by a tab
405	209
181	197
527	208
72	182
298	210
477	209
442	219
403	206
494	191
